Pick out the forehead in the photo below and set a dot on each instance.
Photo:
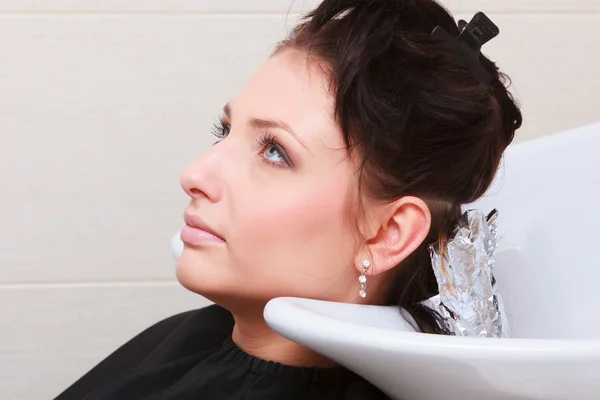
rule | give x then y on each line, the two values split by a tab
290	88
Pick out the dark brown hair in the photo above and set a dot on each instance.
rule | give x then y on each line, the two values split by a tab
423	124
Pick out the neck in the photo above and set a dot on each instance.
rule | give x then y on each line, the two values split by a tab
252	334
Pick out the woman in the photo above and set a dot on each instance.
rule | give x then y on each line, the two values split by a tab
344	156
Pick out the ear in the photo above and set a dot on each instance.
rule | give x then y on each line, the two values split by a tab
401	228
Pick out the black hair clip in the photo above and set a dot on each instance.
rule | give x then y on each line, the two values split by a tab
468	44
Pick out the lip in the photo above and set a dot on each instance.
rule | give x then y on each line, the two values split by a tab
197	224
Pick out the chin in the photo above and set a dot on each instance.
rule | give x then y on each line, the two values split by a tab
196	272
220	285
199	273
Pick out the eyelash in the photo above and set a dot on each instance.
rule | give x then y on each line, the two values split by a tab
267	139
218	128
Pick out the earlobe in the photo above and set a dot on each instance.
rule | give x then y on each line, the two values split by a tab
402	229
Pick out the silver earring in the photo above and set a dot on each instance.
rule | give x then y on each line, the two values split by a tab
363	278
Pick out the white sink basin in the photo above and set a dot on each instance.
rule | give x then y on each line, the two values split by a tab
548	272
415	366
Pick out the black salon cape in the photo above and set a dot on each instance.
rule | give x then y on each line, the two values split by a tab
191	356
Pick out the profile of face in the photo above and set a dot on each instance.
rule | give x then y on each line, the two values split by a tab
281	191
277	188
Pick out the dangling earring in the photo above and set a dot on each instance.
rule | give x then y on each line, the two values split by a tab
363	278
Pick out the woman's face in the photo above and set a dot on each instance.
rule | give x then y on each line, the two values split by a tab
277	188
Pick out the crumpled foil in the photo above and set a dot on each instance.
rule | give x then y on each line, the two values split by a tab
468	297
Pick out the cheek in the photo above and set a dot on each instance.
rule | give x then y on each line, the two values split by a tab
293	231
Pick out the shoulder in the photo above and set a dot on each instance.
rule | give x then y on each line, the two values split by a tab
212	319
184	333
212	324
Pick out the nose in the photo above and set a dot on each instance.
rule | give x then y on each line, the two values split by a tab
201	179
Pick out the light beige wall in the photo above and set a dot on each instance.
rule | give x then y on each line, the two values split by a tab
102	103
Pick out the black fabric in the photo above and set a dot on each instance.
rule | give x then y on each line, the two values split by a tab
192	356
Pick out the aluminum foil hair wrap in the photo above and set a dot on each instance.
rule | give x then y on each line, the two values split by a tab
468	299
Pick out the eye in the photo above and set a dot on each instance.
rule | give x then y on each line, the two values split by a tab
272	152
220	130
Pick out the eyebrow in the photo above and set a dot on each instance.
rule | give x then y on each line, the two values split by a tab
259	123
